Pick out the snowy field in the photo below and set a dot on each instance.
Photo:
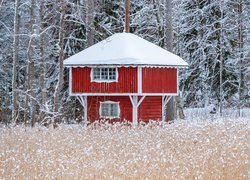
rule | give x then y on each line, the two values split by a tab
203	114
217	149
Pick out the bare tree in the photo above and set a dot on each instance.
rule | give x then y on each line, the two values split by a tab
90	32
241	55
42	56
159	22
15	60
171	106
61	58
221	57
30	75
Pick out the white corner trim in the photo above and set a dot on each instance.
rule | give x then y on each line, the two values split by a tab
139	79
162	109
70	81
177	74
117	74
86	109
91	74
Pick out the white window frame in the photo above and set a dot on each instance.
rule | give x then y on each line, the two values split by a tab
109	102
103	80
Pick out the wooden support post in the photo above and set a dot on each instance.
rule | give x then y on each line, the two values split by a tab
83	100
86	110
135	111
135	105
163	109
165	100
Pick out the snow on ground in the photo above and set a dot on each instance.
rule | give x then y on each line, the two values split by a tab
217	149
204	114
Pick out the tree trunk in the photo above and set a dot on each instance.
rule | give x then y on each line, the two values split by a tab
30	80
127	15
43	65
90	22
15	60
241	55
61	58
159	24
221	58
171	106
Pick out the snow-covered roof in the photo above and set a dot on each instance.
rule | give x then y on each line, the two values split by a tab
125	49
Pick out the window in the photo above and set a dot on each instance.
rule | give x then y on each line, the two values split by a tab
109	109
104	74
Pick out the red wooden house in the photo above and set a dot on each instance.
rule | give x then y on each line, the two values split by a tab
124	77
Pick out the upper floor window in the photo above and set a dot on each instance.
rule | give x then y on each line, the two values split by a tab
104	74
109	109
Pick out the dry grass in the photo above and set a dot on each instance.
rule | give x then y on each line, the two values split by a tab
209	150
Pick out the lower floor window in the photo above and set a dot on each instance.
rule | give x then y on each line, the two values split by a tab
109	109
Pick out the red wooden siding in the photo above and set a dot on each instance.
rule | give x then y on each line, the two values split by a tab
81	82
159	80
150	108
94	105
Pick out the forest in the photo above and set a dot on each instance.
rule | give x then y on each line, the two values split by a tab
213	36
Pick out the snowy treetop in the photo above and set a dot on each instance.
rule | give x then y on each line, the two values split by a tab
125	49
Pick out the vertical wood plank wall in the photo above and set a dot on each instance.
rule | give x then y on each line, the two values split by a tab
125	107
127	82
150	108
154	80
159	80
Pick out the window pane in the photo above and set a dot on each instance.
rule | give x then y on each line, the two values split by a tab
104	73
112	73
105	110
96	74
112	77
114	110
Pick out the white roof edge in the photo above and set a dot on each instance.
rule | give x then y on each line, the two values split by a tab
125	65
